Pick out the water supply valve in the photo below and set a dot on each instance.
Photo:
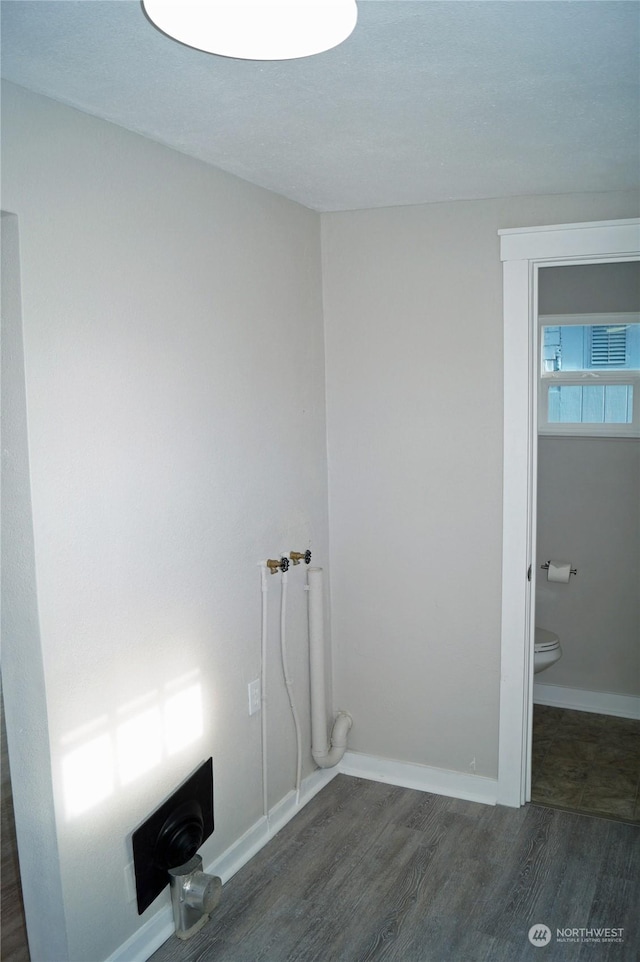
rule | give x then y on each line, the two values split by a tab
281	565
298	556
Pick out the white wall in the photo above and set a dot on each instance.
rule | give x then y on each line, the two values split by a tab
174	383
413	320
589	514
22	668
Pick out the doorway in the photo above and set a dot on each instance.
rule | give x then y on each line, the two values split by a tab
523	252
585	714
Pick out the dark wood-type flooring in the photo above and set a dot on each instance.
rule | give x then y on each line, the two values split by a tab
367	871
13	932
586	762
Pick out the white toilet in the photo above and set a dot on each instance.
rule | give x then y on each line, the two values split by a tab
547	649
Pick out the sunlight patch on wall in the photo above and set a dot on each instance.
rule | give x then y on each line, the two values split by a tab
183	719
88	775
139	744
113	751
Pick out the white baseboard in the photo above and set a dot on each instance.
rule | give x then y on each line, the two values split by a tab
440	781
156	930
145	940
599	702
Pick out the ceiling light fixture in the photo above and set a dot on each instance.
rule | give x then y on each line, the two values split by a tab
255	29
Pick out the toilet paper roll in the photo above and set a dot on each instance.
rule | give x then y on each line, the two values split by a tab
559	571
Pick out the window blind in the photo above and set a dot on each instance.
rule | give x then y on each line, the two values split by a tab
609	346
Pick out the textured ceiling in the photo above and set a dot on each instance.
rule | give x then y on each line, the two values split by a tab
426	101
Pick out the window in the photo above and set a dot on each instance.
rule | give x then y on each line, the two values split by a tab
590	375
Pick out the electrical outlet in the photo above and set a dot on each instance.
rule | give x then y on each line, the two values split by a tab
254	696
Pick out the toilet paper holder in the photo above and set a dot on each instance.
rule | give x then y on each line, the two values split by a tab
574	571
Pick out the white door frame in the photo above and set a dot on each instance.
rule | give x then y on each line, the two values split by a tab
523	251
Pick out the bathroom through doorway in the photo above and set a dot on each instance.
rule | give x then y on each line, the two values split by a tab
524	253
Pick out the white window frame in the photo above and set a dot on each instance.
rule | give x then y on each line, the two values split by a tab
602	377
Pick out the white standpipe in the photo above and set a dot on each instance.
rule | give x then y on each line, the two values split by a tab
263	690
288	681
323	756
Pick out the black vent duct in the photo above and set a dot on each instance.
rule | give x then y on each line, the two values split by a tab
172	834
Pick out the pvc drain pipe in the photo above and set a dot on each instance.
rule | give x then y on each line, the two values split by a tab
323	756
